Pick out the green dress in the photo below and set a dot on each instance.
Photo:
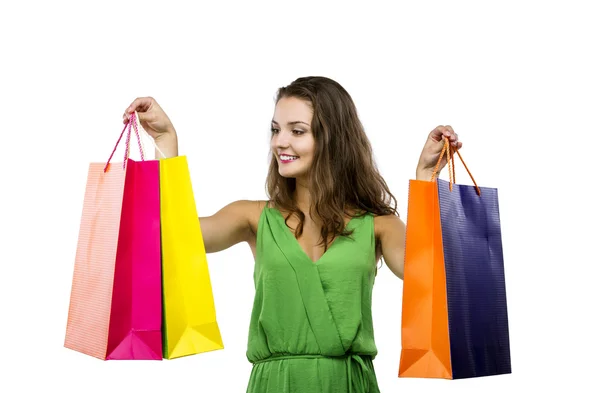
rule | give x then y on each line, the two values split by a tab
311	328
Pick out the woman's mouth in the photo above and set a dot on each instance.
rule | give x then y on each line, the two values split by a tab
285	158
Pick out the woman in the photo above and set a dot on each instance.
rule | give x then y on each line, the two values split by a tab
316	241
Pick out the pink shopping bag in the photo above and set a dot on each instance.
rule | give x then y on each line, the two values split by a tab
115	309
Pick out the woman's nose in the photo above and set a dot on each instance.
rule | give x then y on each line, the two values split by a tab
281	140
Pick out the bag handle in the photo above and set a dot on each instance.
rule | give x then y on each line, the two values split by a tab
449	151
127	127
137	124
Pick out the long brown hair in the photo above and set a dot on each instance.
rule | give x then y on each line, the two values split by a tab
344	175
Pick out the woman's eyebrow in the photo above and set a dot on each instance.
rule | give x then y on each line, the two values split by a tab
291	123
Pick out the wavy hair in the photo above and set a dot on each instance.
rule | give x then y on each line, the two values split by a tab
344	179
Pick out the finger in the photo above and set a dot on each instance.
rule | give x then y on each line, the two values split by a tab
140	104
438	133
127	116
453	136
144	117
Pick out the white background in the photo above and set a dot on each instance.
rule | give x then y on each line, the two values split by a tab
518	80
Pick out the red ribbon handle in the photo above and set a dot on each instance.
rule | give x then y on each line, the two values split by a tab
127	127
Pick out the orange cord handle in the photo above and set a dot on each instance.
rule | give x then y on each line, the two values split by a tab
449	151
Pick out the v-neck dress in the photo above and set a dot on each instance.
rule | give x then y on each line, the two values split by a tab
311	329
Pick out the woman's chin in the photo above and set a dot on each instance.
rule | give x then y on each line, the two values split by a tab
289	174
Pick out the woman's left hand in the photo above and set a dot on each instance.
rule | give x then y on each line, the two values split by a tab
433	148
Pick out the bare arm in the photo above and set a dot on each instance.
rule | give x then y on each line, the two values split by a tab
392	232
229	226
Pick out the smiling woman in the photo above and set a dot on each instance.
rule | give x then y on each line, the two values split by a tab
316	240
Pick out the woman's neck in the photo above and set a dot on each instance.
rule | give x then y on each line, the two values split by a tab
302	196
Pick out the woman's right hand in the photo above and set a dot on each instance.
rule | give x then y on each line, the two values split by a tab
152	117
156	123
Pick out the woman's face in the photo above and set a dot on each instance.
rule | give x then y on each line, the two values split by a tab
292	141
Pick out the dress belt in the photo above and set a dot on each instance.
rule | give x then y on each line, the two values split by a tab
361	385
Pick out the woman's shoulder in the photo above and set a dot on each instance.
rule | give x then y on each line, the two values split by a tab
245	210
254	209
386	222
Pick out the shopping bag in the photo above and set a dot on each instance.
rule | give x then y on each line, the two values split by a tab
190	324
454	307
115	304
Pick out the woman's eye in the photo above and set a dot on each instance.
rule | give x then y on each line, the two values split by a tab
295	132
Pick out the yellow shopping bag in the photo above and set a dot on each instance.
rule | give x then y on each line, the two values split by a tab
189	318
